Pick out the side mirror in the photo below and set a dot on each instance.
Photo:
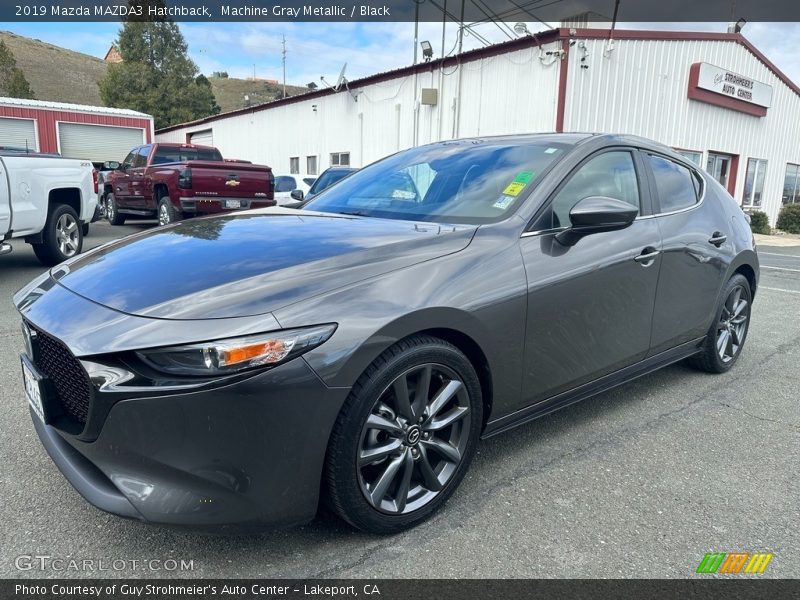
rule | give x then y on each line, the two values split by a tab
297	194
111	165
596	214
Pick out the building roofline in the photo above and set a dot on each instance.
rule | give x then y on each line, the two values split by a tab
538	39
70	107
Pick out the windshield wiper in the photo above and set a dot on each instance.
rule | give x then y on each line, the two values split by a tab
353	213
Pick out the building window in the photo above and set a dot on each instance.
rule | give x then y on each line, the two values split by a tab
754	182
696	158
791	184
294	165
311	165
340	159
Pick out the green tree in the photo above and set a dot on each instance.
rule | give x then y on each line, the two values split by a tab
156	76
12	79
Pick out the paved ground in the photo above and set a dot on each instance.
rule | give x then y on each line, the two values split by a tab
638	482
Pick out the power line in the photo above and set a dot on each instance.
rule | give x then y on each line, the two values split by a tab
479	7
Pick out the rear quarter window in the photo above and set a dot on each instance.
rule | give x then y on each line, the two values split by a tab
677	186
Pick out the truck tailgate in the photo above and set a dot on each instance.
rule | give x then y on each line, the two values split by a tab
231	180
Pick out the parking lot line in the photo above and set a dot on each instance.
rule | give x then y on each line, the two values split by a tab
780	269
762	287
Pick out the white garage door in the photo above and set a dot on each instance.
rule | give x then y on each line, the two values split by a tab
202	138
98	143
18	133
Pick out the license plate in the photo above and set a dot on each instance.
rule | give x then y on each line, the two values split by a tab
33	390
233	204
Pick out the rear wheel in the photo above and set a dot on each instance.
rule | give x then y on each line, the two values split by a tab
112	212
166	211
406	436
62	236
727	335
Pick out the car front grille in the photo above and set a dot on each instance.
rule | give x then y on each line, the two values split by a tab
69	378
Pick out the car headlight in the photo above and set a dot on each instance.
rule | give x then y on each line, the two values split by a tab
227	356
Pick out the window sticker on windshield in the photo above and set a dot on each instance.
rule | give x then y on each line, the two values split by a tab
520	181
551	150
524	177
514	188
503	202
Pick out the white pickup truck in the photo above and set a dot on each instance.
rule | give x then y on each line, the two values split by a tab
48	201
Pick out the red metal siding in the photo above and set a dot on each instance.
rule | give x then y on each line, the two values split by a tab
46	122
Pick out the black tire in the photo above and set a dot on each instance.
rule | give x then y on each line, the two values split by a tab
345	489
166	211
713	358
112	211
62	236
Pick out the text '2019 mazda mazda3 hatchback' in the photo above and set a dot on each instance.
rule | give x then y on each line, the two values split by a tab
230	371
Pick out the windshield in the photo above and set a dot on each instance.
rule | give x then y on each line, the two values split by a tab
466	181
172	154
328	178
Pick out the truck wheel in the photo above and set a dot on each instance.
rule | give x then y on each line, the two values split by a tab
62	235
166	212
111	211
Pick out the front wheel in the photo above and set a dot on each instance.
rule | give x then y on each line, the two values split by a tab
405	437
62	236
727	334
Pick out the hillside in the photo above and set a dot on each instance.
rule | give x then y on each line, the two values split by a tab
55	73
62	75
230	92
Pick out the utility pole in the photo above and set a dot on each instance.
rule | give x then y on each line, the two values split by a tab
416	28
461	28
284	65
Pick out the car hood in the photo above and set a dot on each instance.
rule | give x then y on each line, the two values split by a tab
250	263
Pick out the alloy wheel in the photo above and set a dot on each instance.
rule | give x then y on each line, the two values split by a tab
67	235
414	439
163	215
732	325
110	210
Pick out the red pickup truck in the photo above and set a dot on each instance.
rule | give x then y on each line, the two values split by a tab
175	181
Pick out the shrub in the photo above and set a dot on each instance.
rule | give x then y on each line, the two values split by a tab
759	222
789	218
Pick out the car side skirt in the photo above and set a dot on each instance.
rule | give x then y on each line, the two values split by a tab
598	386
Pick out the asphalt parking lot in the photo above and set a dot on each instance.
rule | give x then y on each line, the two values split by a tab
641	481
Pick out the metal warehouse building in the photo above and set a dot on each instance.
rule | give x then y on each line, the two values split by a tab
713	96
96	133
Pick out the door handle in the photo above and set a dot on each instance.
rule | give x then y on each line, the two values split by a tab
647	256
717	239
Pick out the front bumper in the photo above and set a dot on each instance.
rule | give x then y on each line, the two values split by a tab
243	455
249	455
204	205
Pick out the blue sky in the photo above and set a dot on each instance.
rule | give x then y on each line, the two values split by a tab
316	49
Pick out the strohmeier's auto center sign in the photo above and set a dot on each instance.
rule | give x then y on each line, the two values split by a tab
716	79
715	85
